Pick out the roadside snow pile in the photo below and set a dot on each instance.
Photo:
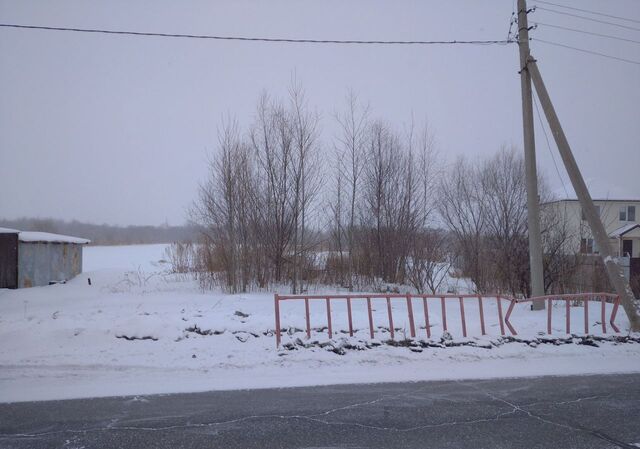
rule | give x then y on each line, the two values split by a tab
342	345
134	331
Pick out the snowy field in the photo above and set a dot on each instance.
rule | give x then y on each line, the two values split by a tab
139	330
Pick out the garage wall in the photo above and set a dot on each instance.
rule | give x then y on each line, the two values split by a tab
40	263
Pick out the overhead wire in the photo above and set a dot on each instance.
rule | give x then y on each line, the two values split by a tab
546	137
589	11
261	39
583	31
587	18
575	30
583	50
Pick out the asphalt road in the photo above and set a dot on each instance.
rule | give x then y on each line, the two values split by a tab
549	412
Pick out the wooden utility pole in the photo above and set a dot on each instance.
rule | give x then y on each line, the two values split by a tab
614	270
533	202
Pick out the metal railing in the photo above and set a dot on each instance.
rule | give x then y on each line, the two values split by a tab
504	321
585	298
389	297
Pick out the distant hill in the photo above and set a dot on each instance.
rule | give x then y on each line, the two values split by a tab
106	234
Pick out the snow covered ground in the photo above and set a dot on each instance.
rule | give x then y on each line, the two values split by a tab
148	258
139	330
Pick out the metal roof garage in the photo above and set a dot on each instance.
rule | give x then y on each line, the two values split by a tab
31	259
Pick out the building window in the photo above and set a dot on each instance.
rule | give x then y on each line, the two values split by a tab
587	246
627	213
584	218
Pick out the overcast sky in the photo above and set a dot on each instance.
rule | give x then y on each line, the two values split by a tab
116	129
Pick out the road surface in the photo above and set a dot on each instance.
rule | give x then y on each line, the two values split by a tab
548	412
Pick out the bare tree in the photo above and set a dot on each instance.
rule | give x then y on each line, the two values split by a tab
429	173
428	265
505	206
305	175
351	145
272	142
383	198
425	247
337	225
560	262
462	209
220	207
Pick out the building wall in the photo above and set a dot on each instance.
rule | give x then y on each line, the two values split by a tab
40	263
609	213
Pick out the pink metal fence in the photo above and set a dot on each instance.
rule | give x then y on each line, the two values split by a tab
503	321
585	298
389	297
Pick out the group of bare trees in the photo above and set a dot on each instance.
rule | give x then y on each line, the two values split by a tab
257	204
376	209
382	202
483	203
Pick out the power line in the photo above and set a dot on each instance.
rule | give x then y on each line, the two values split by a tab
630	61
588	11
546	137
260	39
587	18
587	32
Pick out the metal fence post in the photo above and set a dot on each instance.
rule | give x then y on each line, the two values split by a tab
412	326
391	330
277	307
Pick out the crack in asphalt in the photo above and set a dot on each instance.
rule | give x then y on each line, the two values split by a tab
572	401
575	427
